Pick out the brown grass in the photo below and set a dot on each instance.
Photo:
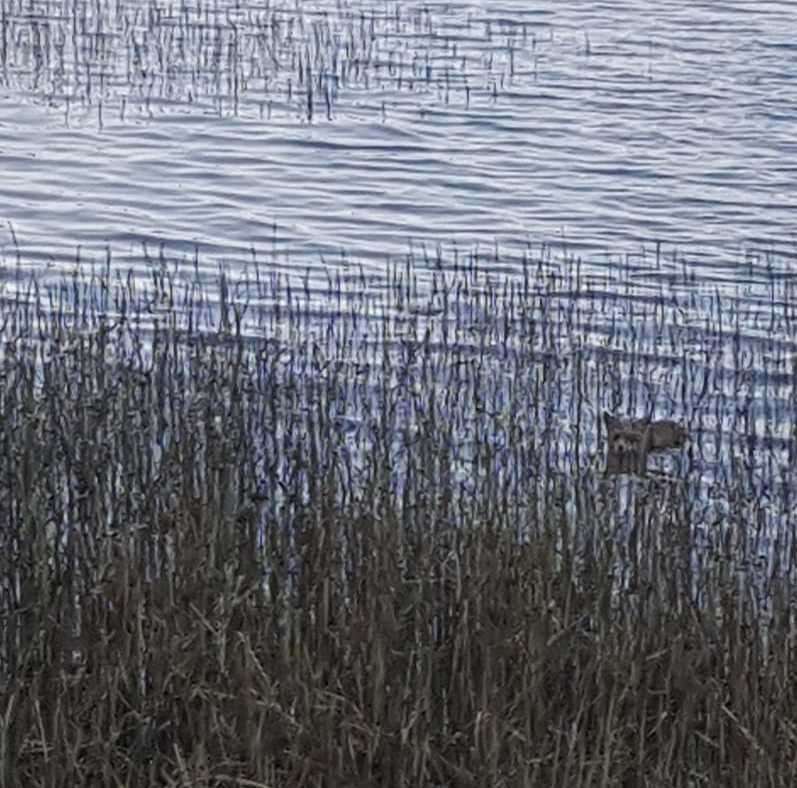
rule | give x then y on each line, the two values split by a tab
230	560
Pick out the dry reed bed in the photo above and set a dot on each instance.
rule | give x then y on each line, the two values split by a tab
245	546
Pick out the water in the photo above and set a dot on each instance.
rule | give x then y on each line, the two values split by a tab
654	142
317	133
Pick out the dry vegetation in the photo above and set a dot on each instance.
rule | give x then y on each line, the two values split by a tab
376	549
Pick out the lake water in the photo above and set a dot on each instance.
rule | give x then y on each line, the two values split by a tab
321	132
654	142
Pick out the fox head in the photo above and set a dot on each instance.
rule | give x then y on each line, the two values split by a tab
625	437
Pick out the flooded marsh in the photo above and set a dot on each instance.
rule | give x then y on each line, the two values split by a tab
384	545
397	394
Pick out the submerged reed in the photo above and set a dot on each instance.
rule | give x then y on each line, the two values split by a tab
122	58
246	545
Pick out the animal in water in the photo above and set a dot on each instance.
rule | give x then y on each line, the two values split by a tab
630	441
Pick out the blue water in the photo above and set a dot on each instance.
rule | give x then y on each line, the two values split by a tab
321	132
655	141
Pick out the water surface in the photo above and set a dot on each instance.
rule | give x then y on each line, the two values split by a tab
323	130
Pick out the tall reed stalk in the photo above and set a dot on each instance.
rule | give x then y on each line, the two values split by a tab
254	543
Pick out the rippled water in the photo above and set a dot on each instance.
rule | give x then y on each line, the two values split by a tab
654	141
636	161
321	132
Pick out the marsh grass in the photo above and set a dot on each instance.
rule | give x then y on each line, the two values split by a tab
245	546
312	61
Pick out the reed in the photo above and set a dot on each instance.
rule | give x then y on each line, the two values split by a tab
107	59
250	542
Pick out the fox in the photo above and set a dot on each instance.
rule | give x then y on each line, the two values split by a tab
631	440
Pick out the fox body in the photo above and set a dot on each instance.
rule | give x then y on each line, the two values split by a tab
631	440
